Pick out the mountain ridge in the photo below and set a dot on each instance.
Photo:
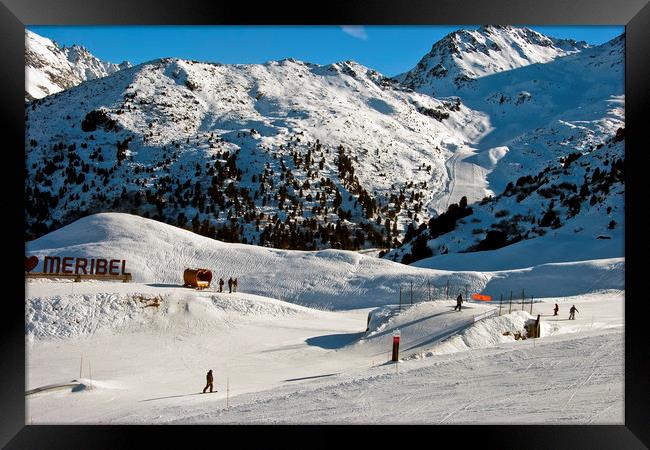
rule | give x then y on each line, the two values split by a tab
299	155
51	68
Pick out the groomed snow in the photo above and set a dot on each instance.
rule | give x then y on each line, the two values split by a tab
281	362
158	253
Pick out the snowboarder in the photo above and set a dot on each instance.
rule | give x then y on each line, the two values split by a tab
230	285
459	302
234	285
209	381
556	309
220	284
572	312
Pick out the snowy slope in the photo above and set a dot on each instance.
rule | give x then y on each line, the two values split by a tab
157	253
50	68
570	211
276	362
536	115
139	351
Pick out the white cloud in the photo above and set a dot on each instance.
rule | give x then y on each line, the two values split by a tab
356	31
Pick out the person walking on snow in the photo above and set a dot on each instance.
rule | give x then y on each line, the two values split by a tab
230	285
459	302
572	312
209	381
220	284
234	285
556	309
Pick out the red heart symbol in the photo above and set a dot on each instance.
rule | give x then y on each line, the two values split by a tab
30	263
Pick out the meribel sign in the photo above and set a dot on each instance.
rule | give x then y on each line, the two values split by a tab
86	266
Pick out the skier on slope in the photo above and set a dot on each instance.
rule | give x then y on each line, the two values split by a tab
572	312
230	285
459	302
209	380
234	285
220	284
556	309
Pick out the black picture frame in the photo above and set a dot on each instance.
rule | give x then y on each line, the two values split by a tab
634	14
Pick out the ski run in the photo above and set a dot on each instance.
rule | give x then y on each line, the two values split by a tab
138	352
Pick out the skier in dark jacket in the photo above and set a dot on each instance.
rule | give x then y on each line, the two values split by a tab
220	284
230	285
556	309
459	302
209	381
572	312
234	285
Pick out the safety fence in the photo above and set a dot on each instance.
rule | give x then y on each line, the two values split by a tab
427	291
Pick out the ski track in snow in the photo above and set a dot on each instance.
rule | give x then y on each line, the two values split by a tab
149	369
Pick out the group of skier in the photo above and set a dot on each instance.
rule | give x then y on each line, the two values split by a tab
572	311
232	285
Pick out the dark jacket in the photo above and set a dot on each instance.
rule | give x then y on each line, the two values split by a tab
209	377
573	309
459	299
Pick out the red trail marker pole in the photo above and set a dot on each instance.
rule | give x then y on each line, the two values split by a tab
396	336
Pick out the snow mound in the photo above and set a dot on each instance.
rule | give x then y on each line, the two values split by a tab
419	325
486	333
82	315
159	253
67	316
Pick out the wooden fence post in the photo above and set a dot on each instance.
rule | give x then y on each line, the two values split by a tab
500	302
400	297
510	309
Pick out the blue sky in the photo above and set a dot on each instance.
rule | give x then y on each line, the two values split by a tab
389	49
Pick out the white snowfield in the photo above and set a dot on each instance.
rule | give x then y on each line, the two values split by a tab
112	352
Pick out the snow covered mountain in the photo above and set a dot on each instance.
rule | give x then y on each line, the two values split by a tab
283	142
50	68
465	55
544	118
296	155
